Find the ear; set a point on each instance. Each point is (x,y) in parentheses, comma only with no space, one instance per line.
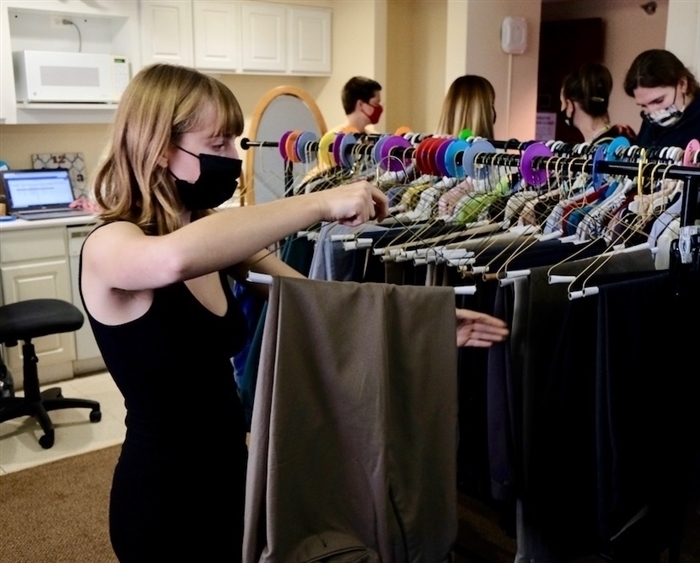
(163,160)
(683,82)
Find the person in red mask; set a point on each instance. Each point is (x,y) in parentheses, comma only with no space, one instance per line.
(362,103)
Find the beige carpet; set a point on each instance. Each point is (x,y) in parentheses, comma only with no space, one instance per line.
(58,512)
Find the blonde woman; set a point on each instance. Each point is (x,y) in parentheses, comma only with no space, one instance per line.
(155,291)
(468,104)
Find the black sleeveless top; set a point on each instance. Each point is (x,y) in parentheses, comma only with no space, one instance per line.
(183,460)
(177,350)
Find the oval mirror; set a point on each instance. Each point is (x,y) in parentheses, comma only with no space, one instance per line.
(282,109)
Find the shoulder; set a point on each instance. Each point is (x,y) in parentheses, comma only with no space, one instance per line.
(112,233)
(617,130)
(677,135)
(116,228)
(623,130)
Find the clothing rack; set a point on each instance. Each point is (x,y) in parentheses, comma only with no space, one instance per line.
(288,165)
(365,147)
(689,175)
(654,166)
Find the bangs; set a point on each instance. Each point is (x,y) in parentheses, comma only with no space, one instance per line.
(210,100)
(227,113)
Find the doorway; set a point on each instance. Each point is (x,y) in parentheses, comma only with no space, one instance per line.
(564,46)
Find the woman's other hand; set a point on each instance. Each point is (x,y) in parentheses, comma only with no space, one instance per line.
(479,329)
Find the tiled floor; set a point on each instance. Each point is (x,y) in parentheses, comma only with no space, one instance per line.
(74,433)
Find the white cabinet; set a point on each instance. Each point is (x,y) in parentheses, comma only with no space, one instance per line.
(166,32)
(216,35)
(286,39)
(230,36)
(98,26)
(264,34)
(211,35)
(8,97)
(33,265)
(202,34)
(309,41)
(87,354)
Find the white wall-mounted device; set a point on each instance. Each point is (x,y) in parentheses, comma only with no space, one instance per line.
(514,35)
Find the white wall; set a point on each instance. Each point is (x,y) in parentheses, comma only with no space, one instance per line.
(514,77)
(683,32)
(359,49)
(432,42)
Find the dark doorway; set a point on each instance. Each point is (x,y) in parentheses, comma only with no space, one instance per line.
(564,46)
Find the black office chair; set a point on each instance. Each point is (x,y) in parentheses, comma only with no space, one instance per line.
(31,319)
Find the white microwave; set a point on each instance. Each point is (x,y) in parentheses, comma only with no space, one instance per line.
(57,77)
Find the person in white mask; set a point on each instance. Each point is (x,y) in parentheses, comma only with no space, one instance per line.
(667,92)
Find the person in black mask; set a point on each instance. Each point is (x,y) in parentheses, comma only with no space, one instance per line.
(667,92)
(585,95)
(153,279)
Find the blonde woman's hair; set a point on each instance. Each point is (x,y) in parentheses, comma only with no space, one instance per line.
(160,104)
(469,104)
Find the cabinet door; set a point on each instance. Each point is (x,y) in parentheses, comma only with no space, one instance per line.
(309,41)
(7,85)
(166,32)
(34,265)
(49,278)
(216,35)
(263,32)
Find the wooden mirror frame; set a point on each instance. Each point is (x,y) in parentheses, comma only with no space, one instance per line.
(247,195)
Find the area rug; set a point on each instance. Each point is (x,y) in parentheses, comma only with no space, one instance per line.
(58,512)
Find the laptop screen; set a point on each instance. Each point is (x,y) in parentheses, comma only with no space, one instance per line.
(37,189)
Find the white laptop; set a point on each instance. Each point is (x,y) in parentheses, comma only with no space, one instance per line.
(39,194)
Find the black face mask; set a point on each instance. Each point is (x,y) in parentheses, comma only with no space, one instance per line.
(569,121)
(215,185)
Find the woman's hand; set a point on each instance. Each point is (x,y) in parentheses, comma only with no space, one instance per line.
(353,204)
(84,203)
(479,329)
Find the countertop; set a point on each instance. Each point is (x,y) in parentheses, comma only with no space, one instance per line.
(22,224)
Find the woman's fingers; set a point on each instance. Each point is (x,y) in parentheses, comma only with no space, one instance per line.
(355,203)
(479,329)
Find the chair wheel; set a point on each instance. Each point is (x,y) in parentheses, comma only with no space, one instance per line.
(46,441)
(95,416)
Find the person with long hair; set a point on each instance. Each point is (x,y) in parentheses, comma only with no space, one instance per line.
(153,279)
(468,104)
(667,92)
(585,96)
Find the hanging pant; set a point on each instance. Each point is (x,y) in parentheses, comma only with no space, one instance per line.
(353,440)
